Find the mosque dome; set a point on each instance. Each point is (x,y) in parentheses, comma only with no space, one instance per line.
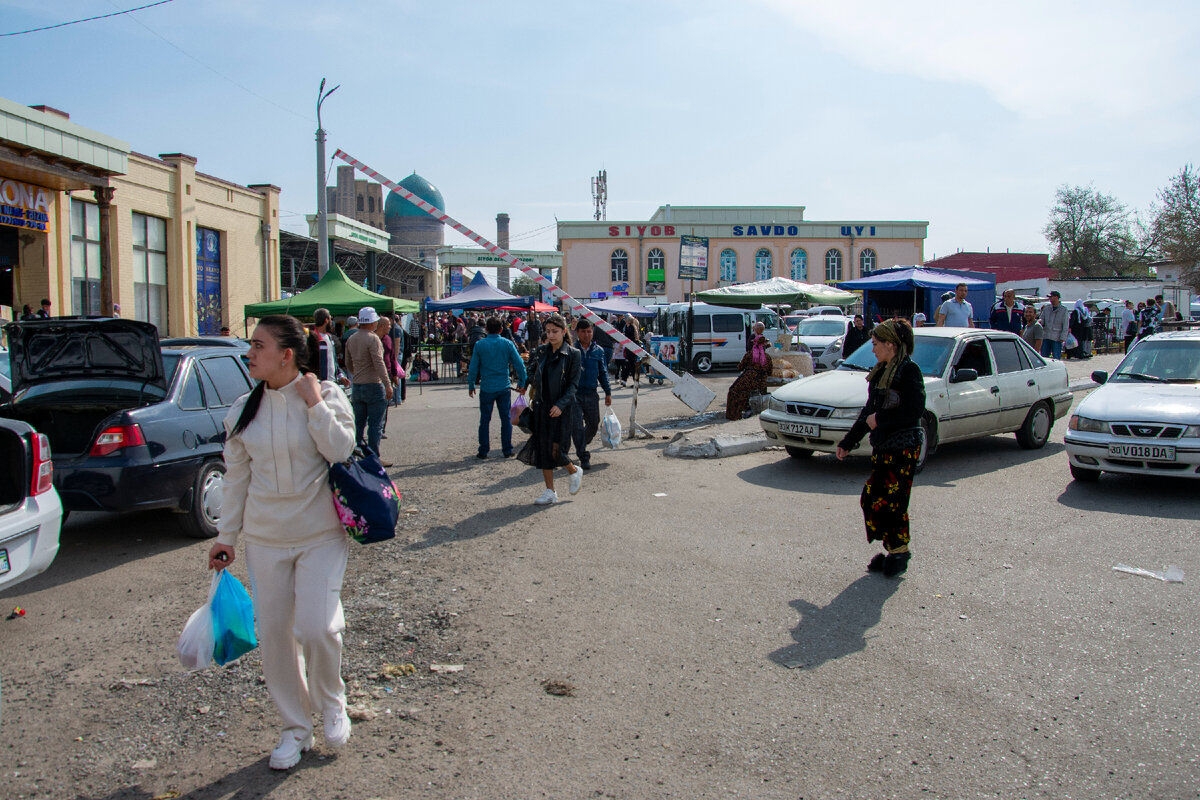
(397,206)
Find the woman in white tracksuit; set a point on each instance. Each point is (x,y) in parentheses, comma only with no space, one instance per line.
(280,439)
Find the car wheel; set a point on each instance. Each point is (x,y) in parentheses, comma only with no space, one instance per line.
(200,521)
(928,442)
(1084,475)
(702,364)
(1035,430)
(797,452)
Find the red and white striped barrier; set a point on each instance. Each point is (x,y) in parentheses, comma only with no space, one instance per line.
(685,387)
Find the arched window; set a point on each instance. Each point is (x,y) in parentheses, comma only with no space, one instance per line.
(656,259)
(619,261)
(371,204)
(762,264)
(833,264)
(866,261)
(799,265)
(728,265)
(359,204)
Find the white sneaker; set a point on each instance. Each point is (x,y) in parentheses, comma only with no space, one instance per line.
(287,753)
(548,498)
(576,480)
(337,727)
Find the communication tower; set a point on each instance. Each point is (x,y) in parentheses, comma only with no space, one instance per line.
(600,194)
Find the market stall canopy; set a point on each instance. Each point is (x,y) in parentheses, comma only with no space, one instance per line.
(777,291)
(621,305)
(335,292)
(478,294)
(914,278)
(538,306)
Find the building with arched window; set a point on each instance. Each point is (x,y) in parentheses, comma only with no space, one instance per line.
(745,243)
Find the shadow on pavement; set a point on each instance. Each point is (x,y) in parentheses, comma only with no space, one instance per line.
(957,460)
(819,474)
(481,524)
(1135,495)
(251,781)
(839,628)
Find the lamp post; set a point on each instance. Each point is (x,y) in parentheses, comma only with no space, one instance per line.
(322,212)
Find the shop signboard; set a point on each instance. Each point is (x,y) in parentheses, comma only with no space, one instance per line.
(693,257)
(456,280)
(208,281)
(24,205)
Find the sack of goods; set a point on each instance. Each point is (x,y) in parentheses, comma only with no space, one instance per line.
(610,430)
(222,629)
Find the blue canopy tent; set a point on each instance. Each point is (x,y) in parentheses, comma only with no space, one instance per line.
(906,290)
(478,294)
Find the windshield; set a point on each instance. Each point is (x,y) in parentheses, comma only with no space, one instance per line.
(821,327)
(931,355)
(1161,362)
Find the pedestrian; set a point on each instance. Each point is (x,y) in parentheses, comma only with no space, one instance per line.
(554,380)
(370,388)
(1128,324)
(593,372)
(533,331)
(117,311)
(351,329)
(756,368)
(322,353)
(44,311)
(1055,326)
(858,335)
(1079,323)
(919,319)
(280,439)
(1032,333)
(892,416)
(493,360)
(1008,315)
(956,312)
(1149,319)
(631,363)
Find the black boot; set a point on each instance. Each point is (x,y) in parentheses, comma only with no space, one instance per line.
(895,563)
(876,563)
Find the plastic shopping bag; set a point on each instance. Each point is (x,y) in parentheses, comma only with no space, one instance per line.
(518,405)
(233,620)
(195,645)
(1071,343)
(610,430)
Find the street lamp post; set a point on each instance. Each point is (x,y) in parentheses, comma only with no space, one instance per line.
(322,211)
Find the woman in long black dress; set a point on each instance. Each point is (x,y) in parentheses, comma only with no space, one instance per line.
(554,379)
(895,404)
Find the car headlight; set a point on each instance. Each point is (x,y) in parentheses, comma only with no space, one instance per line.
(1192,432)
(836,344)
(1087,425)
(774,404)
(845,413)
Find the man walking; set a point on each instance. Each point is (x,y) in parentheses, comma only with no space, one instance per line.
(593,369)
(1008,315)
(322,351)
(370,387)
(491,361)
(956,312)
(1128,324)
(858,335)
(1055,322)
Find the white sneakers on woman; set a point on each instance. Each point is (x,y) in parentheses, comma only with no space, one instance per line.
(287,753)
(548,498)
(576,481)
(337,727)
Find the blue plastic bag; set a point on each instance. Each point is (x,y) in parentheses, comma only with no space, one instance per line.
(233,620)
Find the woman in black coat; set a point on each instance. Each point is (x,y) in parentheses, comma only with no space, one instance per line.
(553,380)
(895,405)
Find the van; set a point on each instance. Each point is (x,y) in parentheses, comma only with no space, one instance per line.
(718,334)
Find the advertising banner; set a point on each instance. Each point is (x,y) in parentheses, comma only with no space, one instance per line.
(693,257)
(456,280)
(23,205)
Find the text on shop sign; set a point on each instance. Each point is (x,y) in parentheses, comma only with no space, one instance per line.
(23,205)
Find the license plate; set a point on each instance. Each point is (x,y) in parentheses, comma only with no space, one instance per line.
(1144,452)
(4,567)
(800,428)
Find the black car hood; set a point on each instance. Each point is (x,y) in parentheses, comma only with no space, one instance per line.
(53,350)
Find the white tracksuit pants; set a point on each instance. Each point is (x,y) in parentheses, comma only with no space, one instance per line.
(299,621)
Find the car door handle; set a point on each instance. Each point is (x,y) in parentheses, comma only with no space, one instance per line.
(1031,382)
(995,390)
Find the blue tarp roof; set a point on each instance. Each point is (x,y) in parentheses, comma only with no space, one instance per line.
(912,278)
(478,294)
(621,305)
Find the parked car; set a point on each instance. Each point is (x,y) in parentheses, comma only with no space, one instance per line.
(30,510)
(977,382)
(133,425)
(5,382)
(1145,417)
(824,336)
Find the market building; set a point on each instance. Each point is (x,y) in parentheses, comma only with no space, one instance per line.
(745,243)
(97,229)
(458,264)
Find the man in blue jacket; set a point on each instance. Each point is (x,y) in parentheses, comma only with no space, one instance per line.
(593,369)
(492,358)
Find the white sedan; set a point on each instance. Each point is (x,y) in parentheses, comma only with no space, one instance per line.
(1145,418)
(977,382)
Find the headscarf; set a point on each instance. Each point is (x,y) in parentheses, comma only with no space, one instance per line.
(760,352)
(897,332)
(1082,310)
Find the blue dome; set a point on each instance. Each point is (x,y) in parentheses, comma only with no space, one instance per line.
(397,206)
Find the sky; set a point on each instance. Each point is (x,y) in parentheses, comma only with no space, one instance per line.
(966,115)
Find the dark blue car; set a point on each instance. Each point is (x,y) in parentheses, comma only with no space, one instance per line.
(132,425)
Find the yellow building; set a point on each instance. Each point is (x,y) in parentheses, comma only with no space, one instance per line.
(97,229)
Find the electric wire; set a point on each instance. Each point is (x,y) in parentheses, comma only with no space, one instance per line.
(87,19)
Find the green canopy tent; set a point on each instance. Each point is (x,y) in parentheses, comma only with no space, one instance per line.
(335,292)
(776,292)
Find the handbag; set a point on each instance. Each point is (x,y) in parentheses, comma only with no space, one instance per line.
(366,500)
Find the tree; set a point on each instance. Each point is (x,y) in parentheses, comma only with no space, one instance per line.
(524,286)
(1177,224)
(1094,235)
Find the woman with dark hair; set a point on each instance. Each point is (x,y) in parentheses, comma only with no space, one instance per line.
(553,380)
(281,438)
(756,368)
(895,404)
(630,365)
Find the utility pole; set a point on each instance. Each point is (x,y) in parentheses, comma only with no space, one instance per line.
(322,212)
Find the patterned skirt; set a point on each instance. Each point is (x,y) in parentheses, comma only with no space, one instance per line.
(885,497)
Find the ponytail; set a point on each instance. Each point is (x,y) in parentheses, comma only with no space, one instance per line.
(288,333)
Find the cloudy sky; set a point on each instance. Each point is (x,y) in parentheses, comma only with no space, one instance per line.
(966,115)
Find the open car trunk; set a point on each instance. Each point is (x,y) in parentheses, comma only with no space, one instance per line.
(13,477)
(71,429)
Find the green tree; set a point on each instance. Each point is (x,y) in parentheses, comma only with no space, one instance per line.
(524,286)
(1092,234)
(1177,223)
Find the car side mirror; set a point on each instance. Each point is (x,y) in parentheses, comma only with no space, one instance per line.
(964,374)
(1100,376)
